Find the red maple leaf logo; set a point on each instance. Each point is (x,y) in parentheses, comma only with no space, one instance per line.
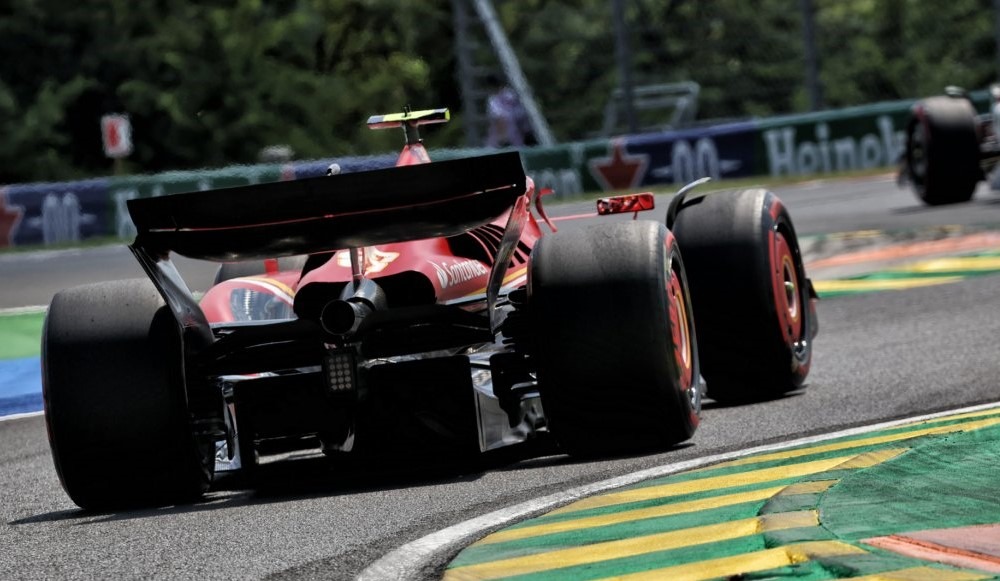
(10,219)
(621,170)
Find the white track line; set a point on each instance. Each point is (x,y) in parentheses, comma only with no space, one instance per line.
(23,310)
(20,416)
(410,560)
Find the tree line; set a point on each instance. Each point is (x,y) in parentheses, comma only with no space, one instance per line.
(211,83)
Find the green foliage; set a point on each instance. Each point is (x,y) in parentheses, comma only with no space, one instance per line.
(904,48)
(208,83)
(211,83)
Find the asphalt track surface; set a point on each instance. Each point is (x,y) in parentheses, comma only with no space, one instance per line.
(879,356)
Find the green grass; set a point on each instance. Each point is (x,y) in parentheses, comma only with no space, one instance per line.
(19,335)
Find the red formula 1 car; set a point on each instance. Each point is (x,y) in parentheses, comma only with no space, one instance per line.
(415,313)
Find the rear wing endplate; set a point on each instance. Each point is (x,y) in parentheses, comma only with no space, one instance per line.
(331,212)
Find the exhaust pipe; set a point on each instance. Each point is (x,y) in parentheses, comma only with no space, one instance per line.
(342,317)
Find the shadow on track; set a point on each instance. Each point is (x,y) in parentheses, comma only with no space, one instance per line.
(313,476)
(711,404)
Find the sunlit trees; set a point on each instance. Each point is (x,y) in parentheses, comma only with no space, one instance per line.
(211,83)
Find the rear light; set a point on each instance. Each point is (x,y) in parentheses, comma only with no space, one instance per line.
(341,371)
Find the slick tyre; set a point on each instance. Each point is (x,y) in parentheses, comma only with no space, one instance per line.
(615,349)
(231,270)
(942,151)
(115,401)
(752,301)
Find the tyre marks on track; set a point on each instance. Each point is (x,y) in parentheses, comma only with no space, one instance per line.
(757,516)
(923,273)
(883,264)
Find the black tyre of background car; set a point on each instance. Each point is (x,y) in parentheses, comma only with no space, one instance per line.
(750,294)
(115,401)
(942,151)
(614,345)
(231,270)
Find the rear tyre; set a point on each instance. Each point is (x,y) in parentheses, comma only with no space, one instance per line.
(231,270)
(752,301)
(115,400)
(615,348)
(942,151)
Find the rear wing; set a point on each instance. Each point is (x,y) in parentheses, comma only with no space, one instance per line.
(331,212)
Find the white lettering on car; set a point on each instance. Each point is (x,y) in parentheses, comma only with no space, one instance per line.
(458,272)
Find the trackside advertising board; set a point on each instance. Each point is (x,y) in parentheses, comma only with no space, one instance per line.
(805,145)
(813,144)
(66,212)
